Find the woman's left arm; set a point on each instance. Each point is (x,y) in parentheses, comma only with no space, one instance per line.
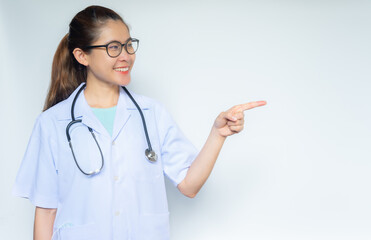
(226,124)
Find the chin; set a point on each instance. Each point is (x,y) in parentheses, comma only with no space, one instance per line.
(125,82)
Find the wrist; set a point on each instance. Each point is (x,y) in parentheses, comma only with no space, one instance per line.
(216,134)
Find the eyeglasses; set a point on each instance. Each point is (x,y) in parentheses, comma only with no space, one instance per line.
(114,48)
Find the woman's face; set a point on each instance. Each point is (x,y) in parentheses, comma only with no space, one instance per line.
(101,67)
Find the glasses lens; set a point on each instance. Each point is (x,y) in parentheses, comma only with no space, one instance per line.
(114,49)
(132,46)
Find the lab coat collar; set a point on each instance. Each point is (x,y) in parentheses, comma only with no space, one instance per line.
(123,111)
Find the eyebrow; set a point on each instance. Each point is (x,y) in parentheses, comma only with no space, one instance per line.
(115,40)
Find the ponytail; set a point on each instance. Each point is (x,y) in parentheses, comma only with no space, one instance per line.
(66,75)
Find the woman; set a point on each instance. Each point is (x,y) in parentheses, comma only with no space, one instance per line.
(85,168)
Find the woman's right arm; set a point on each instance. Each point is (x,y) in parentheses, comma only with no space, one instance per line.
(44,221)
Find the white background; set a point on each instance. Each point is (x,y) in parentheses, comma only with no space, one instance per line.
(299,170)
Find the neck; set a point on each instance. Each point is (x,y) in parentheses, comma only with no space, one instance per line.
(101,95)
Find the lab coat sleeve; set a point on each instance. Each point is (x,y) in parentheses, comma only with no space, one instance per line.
(37,175)
(177,152)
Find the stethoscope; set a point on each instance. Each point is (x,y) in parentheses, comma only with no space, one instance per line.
(150,154)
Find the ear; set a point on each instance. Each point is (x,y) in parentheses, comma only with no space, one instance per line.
(80,56)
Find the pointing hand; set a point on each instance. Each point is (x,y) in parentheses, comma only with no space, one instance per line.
(232,121)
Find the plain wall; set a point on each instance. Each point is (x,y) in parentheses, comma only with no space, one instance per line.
(301,167)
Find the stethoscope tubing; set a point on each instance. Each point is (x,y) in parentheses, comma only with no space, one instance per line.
(142,116)
(150,154)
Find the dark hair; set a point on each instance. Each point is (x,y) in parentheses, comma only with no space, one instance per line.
(67,74)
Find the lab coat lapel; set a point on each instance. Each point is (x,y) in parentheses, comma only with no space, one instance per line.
(124,109)
(122,113)
(84,111)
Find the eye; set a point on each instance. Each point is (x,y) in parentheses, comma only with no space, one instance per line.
(114,47)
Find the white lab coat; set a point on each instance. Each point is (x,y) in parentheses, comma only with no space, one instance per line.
(127,199)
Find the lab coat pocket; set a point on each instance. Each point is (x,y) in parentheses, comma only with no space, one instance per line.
(145,171)
(150,174)
(80,232)
(154,227)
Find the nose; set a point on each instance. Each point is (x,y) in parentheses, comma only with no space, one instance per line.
(124,56)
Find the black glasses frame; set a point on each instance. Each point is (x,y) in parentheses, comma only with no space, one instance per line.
(123,45)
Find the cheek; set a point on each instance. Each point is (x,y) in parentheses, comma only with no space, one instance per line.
(101,68)
(99,60)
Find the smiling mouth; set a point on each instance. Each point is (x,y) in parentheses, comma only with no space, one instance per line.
(123,69)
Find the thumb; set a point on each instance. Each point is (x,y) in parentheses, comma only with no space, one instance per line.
(230,117)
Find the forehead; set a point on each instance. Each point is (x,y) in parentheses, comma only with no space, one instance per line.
(113,30)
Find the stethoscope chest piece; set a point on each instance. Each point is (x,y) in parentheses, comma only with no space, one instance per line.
(151,155)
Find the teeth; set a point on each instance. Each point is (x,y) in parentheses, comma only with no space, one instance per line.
(122,69)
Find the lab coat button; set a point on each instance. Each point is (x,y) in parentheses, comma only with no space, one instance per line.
(117,213)
(116,178)
(113,143)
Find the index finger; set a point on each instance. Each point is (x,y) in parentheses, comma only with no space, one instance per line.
(250,105)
